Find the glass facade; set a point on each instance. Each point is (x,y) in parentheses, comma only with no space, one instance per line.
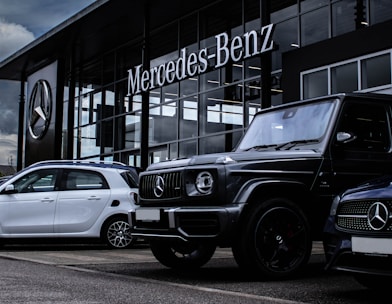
(207,112)
(370,73)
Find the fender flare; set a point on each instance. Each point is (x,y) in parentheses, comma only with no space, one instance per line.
(251,186)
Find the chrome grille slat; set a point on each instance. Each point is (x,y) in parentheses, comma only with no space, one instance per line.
(172,189)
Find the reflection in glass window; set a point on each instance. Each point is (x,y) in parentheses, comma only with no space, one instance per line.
(221,110)
(88,144)
(252,67)
(163,123)
(76,112)
(344,78)
(132,130)
(252,98)
(188,86)
(85,109)
(212,144)
(286,34)
(84,180)
(306,5)
(223,142)
(187,148)
(287,125)
(170,92)
(97,101)
(380,10)
(136,103)
(109,97)
(209,80)
(37,181)
(376,71)
(315,84)
(340,23)
(188,122)
(314,26)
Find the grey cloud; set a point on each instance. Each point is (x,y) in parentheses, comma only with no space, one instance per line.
(12,38)
(39,16)
(9,106)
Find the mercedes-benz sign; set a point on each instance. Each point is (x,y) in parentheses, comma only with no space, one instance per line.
(40,109)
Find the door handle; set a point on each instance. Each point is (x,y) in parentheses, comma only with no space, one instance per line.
(93,197)
(47,200)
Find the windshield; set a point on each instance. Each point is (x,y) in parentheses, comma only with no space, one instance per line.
(297,125)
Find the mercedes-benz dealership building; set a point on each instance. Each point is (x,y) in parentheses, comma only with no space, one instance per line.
(149,80)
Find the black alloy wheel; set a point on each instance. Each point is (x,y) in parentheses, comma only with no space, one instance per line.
(275,240)
(182,255)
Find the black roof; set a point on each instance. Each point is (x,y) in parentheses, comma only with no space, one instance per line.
(95,30)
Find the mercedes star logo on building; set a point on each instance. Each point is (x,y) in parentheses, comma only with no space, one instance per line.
(378,215)
(40,109)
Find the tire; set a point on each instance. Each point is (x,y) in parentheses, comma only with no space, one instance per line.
(116,233)
(375,282)
(274,241)
(182,255)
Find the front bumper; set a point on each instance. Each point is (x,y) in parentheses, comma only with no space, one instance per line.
(185,223)
(340,256)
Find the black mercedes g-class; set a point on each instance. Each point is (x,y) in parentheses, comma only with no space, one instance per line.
(269,199)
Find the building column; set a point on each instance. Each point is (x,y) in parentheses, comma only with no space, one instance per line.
(20,148)
(145,95)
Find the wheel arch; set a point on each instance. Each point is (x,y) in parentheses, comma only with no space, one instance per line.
(258,191)
(111,217)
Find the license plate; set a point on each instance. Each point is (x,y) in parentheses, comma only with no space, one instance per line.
(147,215)
(371,245)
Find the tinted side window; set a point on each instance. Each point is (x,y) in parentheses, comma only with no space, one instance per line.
(369,126)
(132,178)
(37,181)
(83,180)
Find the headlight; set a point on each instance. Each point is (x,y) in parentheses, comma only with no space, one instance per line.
(204,182)
(334,206)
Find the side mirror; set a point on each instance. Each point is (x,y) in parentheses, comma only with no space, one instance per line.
(345,137)
(9,189)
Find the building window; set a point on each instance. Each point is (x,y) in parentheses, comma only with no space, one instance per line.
(315,84)
(371,73)
(344,78)
(376,71)
(340,11)
(380,10)
(315,26)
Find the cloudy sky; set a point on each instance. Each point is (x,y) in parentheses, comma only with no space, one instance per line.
(22,21)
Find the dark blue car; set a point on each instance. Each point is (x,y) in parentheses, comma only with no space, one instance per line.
(358,233)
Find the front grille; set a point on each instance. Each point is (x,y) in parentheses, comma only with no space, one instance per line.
(172,185)
(353,216)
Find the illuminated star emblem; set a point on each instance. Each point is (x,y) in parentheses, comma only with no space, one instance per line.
(40,109)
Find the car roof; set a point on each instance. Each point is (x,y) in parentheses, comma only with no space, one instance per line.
(88,163)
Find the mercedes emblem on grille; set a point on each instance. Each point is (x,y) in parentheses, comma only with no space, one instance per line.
(377,216)
(159,186)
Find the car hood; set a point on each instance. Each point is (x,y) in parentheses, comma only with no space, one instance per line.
(374,189)
(234,157)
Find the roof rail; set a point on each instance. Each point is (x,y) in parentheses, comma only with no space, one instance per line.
(79,161)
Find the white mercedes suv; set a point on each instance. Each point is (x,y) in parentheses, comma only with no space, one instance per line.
(69,200)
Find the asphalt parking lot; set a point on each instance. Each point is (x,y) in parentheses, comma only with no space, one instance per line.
(81,254)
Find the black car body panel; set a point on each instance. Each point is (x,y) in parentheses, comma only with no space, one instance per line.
(358,233)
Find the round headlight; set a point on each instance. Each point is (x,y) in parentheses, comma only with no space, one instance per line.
(204,182)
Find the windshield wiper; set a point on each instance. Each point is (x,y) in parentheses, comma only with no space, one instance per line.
(293,143)
(260,147)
